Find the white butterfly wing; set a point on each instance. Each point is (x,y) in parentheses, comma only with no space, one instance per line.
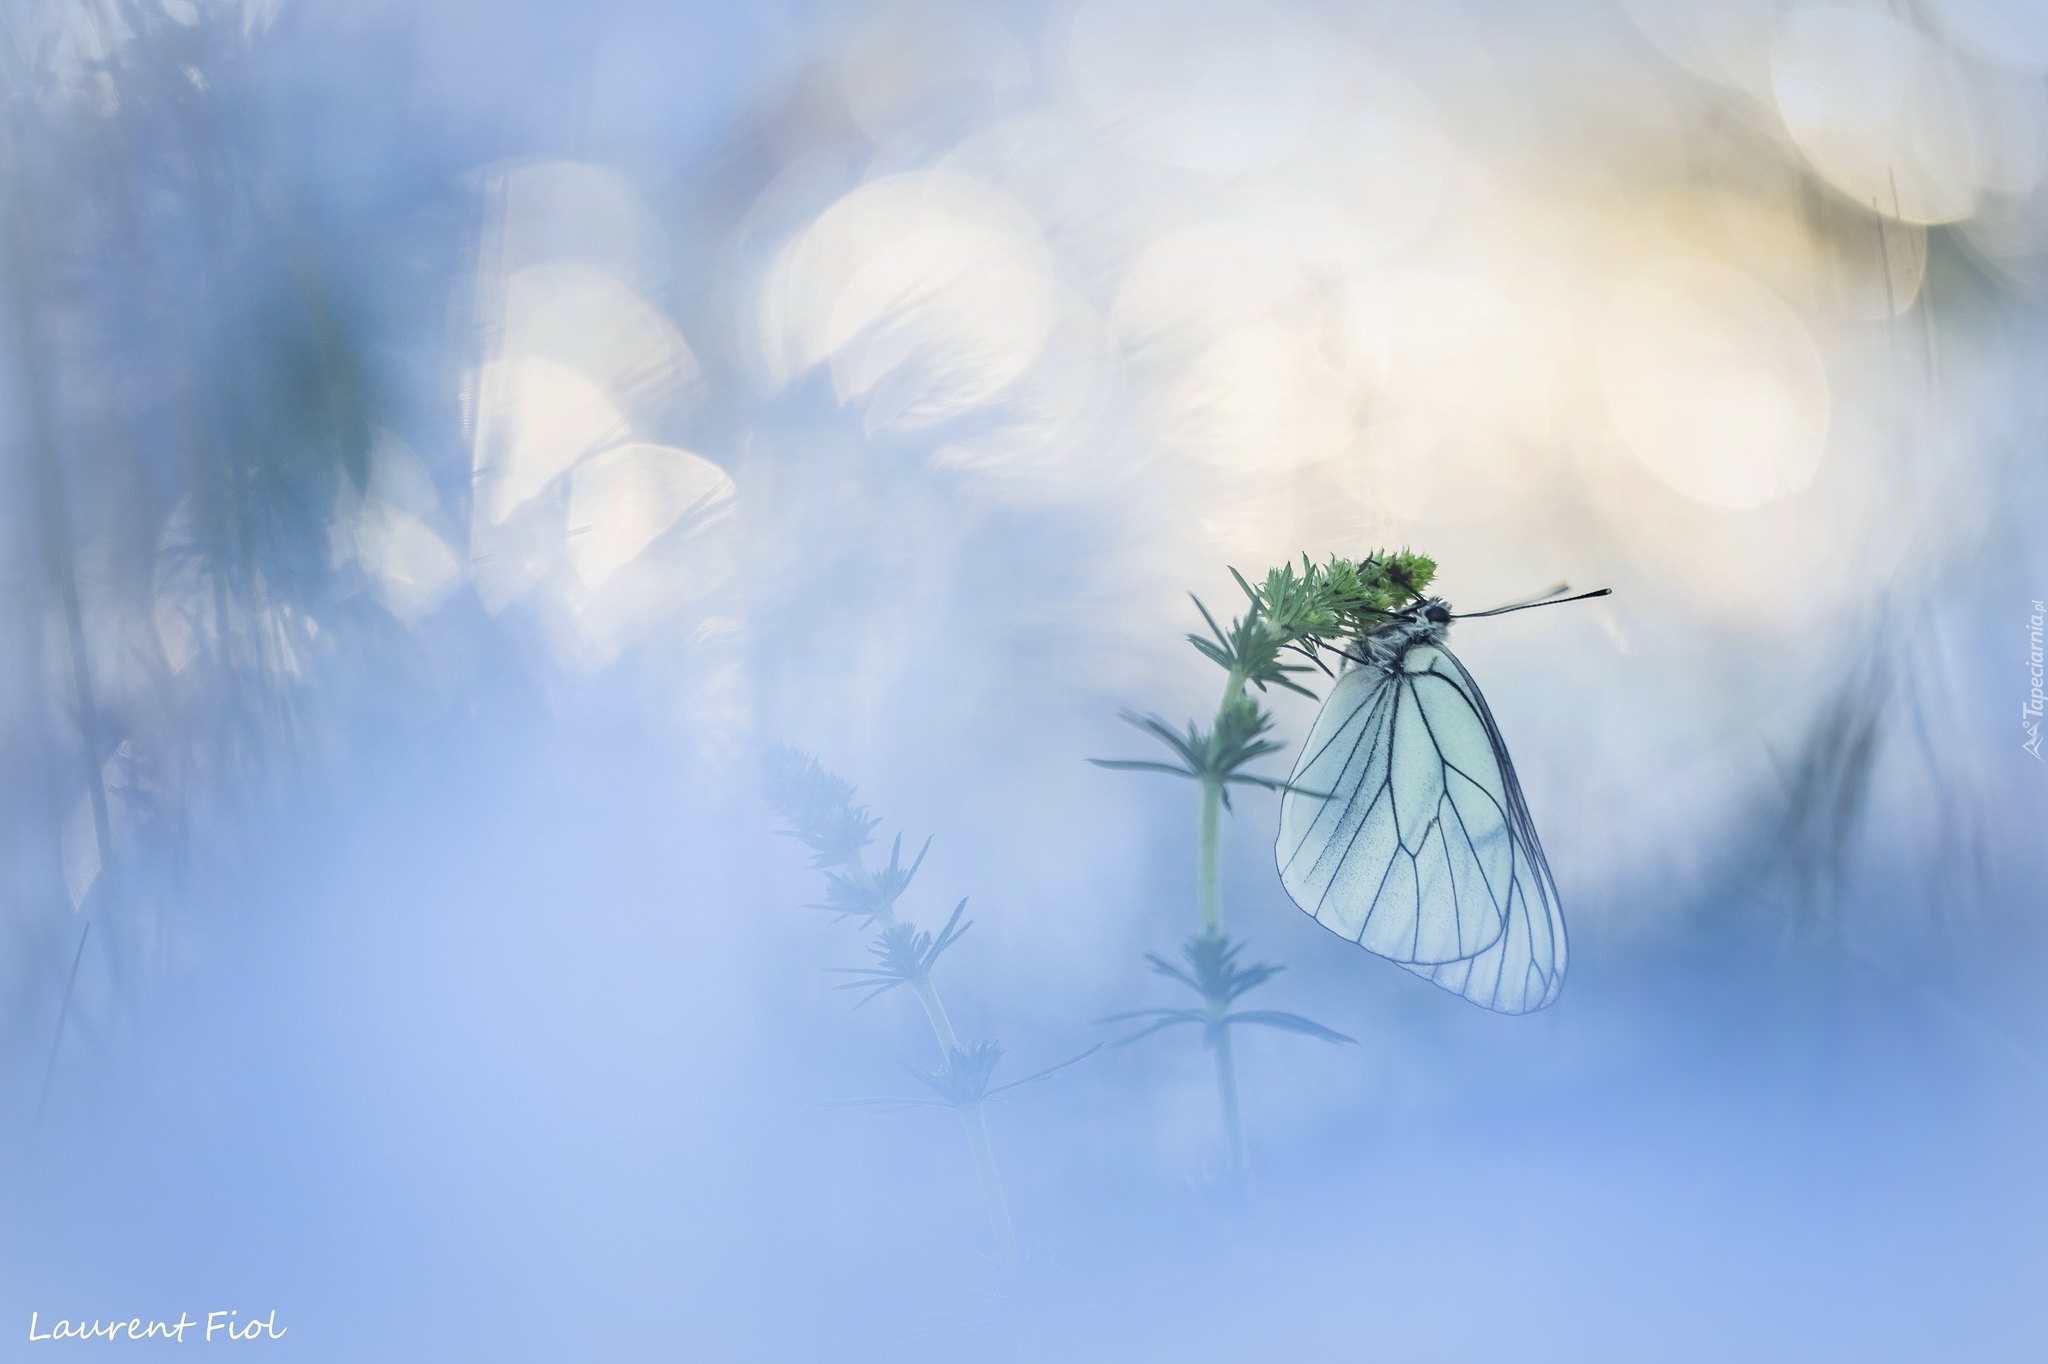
(1407,833)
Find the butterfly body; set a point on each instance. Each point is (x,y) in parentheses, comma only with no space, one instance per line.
(1404,829)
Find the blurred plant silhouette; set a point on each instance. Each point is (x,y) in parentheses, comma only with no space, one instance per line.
(188,409)
(818,809)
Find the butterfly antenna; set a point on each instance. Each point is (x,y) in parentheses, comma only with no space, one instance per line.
(1312,655)
(1549,598)
(1546,594)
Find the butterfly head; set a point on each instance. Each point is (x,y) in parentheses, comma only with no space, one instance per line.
(1426,622)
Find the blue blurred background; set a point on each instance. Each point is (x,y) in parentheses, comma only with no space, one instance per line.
(445,445)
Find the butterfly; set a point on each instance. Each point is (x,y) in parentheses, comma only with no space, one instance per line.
(1403,828)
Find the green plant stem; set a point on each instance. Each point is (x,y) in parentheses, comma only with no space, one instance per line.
(1209,902)
(1208,889)
(1226,1090)
(972,1117)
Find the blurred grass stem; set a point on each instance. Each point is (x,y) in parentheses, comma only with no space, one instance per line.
(28,270)
(63,1016)
(971,1116)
